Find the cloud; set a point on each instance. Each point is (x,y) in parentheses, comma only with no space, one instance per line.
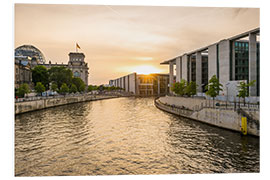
(115,36)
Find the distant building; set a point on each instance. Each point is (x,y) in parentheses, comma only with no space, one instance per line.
(30,52)
(76,64)
(143,85)
(22,70)
(231,59)
(35,57)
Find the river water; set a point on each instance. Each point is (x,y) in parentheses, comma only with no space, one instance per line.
(125,136)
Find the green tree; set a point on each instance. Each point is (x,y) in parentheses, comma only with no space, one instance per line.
(39,88)
(92,88)
(179,87)
(213,87)
(64,89)
(111,88)
(101,88)
(191,89)
(73,88)
(60,75)
(77,82)
(54,87)
(82,87)
(243,89)
(22,90)
(40,74)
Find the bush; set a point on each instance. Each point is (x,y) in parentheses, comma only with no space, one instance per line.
(39,88)
(64,89)
(73,88)
(22,90)
(82,87)
(91,88)
(179,87)
(54,87)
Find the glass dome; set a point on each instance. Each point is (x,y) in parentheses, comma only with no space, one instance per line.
(30,51)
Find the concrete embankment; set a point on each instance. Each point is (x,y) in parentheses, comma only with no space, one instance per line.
(27,106)
(202,110)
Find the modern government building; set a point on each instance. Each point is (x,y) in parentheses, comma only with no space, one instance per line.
(232,60)
(143,85)
(28,56)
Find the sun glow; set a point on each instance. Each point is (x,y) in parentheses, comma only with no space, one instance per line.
(146,69)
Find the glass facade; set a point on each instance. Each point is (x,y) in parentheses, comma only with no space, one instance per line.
(204,72)
(148,84)
(193,69)
(163,84)
(241,61)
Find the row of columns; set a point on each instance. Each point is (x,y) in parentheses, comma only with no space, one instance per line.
(218,64)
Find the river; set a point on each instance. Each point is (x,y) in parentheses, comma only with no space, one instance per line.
(125,136)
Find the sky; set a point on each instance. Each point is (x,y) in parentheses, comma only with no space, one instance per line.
(119,40)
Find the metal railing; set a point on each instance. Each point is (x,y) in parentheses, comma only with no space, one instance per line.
(35,98)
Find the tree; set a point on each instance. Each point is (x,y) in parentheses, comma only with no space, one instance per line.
(73,88)
(179,87)
(60,75)
(191,89)
(111,88)
(82,87)
(77,82)
(39,88)
(101,88)
(213,87)
(40,74)
(54,87)
(22,90)
(64,89)
(92,88)
(243,90)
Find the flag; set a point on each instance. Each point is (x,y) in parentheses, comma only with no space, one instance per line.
(77,46)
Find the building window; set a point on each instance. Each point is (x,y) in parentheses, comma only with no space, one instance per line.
(76,74)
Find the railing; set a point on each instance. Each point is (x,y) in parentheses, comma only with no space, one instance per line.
(35,98)
(183,111)
(223,105)
(217,104)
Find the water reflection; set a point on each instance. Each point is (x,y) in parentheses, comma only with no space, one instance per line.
(125,136)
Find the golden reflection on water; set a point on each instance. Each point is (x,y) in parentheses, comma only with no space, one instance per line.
(125,136)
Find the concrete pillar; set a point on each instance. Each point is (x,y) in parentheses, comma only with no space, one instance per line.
(252,63)
(171,75)
(199,71)
(212,61)
(178,69)
(184,67)
(224,62)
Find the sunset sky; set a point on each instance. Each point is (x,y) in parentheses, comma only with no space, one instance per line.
(118,40)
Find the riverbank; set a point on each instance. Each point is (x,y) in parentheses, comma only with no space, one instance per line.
(206,111)
(28,106)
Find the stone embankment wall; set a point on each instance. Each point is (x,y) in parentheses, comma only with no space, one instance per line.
(27,106)
(225,118)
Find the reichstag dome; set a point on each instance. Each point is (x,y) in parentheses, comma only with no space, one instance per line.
(30,51)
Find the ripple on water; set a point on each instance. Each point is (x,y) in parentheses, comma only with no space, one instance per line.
(125,136)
